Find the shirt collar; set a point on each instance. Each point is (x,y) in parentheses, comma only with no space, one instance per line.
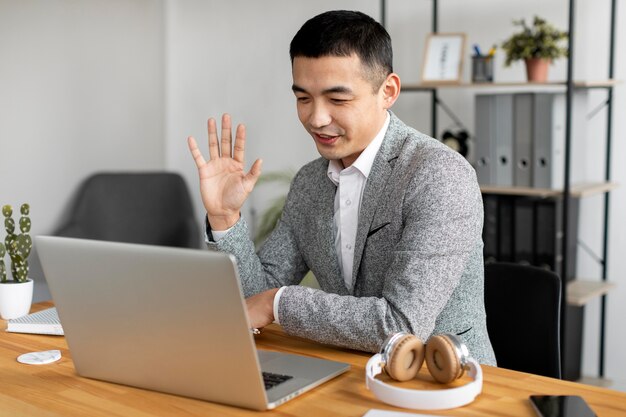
(365,161)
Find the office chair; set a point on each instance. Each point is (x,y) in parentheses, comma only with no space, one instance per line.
(149,208)
(523,317)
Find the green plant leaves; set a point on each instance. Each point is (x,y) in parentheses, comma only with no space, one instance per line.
(541,40)
(7,211)
(272,214)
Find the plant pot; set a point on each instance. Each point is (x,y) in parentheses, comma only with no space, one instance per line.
(15,298)
(537,69)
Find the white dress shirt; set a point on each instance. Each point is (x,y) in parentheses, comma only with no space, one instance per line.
(350,184)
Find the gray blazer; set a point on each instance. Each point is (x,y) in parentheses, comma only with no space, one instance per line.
(418,263)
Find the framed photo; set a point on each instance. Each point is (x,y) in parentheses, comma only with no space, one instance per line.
(443,58)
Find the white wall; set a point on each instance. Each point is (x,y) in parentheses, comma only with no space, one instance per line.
(81,90)
(97,85)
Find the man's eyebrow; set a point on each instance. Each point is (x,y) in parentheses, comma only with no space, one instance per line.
(340,89)
(336,90)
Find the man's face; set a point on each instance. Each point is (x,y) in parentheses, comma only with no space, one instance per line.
(337,105)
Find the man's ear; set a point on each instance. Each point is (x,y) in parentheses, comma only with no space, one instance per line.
(390,90)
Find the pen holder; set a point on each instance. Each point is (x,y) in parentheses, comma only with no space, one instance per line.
(482,69)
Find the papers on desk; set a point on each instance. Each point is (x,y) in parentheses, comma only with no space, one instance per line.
(43,322)
(385,413)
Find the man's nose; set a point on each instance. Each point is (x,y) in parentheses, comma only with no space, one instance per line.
(320,116)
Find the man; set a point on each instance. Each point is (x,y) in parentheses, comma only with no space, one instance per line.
(388,219)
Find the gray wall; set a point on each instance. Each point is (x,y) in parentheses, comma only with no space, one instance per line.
(81,90)
(119,85)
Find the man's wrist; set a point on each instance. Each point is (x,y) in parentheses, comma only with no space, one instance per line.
(221,223)
(211,235)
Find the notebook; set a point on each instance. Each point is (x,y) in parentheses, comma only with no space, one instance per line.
(42,322)
(167,319)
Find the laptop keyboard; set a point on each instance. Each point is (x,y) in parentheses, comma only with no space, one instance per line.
(271,380)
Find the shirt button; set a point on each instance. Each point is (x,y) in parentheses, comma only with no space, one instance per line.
(348,202)
(348,246)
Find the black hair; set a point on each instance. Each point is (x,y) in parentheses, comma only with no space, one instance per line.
(343,33)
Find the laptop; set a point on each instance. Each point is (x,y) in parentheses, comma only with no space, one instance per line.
(168,319)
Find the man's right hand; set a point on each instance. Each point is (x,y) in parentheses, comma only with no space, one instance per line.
(224,185)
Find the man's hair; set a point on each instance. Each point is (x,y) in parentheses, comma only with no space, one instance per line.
(343,33)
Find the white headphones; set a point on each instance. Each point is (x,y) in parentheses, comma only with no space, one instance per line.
(447,358)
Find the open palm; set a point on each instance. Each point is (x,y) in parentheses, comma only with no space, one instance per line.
(224,185)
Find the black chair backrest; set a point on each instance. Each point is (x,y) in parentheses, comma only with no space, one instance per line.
(523,317)
(149,208)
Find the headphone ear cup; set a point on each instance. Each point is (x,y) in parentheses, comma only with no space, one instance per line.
(406,359)
(442,359)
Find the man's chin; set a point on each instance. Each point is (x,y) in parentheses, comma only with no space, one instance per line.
(326,153)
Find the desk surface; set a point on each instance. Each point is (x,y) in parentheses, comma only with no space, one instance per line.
(56,390)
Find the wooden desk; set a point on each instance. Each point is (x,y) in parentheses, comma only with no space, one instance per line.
(56,390)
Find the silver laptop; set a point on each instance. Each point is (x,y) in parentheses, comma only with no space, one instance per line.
(170,320)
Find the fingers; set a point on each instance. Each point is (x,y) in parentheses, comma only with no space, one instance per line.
(226,135)
(226,141)
(253,175)
(240,144)
(195,152)
(214,150)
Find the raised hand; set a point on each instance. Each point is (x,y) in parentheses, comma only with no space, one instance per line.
(224,185)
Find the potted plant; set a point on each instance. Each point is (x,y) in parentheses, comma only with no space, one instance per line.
(271,214)
(16,295)
(537,45)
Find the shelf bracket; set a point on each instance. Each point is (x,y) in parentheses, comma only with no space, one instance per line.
(600,106)
(450,113)
(590,252)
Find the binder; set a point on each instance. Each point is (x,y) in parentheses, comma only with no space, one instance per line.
(523,242)
(490,228)
(503,133)
(547,234)
(522,138)
(494,138)
(542,140)
(572,233)
(548,147)
(557,149)
(505,228)
(485,167)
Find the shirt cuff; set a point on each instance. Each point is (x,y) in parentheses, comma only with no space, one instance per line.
(214,235)
(218,234)
(276,301)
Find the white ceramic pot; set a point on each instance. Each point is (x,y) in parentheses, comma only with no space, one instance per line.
(15,298)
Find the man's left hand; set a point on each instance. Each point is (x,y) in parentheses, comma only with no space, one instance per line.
(261,308)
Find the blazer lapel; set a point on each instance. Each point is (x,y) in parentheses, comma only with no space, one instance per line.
(374,188)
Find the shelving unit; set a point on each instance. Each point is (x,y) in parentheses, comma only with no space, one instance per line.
(577,292)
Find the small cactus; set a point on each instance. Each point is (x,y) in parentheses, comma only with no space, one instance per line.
(18,245)
(3,268)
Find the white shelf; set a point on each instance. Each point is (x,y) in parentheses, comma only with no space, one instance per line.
(580,292)
(577,190)
(527,86)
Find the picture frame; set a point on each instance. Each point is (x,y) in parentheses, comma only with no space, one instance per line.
(443,58)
